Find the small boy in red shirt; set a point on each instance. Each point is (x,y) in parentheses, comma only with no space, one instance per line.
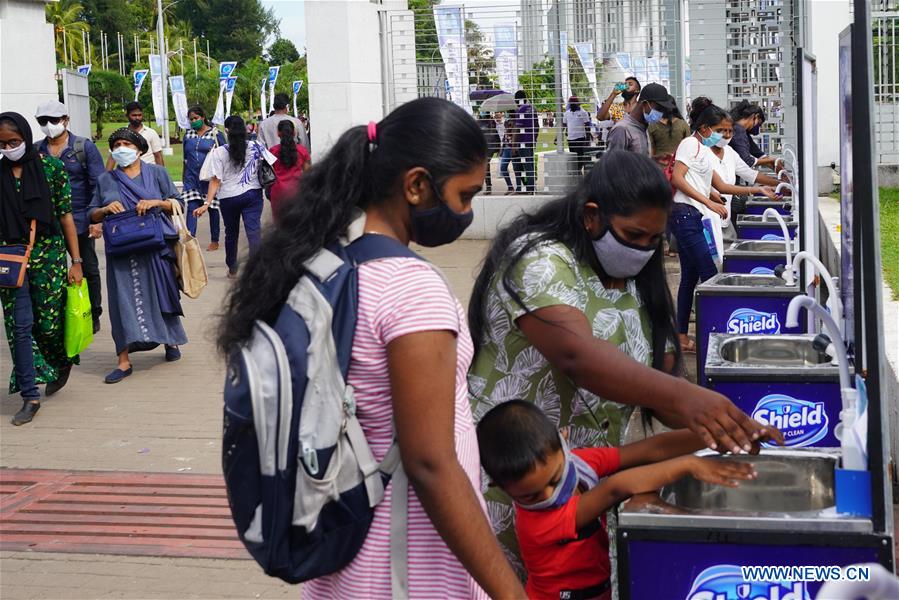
(562,495)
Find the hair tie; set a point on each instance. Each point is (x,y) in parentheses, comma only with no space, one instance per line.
(372,136)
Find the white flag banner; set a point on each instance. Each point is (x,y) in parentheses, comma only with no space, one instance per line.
(229,93)
(585,55)
(505,51)
(263,98)
(179,100)
(272,78)
(566,78)
(451,40)
(297,86)
(139,77)
(221,111)
(158,91)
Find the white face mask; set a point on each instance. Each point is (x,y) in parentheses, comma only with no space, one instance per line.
(620,259)
(14,154)
(53,130)
(724,142)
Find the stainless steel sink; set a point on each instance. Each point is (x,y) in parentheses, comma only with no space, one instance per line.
(739,280)
(772,247)
(787,482)
(776,350)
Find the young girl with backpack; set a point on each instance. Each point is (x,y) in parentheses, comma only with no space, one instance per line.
(410,178)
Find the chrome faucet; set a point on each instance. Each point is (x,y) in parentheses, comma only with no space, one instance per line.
(853,457)
(833,300)
(788,274)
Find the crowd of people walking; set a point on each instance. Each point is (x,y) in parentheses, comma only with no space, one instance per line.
(58,198)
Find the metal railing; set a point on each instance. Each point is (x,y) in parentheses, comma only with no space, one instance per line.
(885,51)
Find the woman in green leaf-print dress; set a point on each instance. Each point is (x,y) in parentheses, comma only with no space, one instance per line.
(572,312)
(36,187)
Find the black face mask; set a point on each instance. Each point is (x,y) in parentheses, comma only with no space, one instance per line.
(136,122)
(438,225)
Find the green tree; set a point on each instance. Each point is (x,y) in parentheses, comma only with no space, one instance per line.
(540,84)
(236,29)
(107,89)
(282,52)
(481,60)
(68,27)
(425,30)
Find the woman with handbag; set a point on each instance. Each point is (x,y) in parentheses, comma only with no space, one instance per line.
(133,203)
(198,141)
(238,177)
(36,226)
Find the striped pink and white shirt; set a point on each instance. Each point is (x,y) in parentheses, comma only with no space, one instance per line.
(397,297)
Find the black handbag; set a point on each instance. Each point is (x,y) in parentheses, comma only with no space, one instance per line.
(266,174)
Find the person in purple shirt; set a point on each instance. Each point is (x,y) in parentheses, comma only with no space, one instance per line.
(526,128)
(83,164)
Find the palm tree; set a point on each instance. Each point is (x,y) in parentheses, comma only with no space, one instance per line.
(68,29)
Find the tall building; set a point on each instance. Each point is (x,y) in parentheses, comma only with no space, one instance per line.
(737,52)
(534,33)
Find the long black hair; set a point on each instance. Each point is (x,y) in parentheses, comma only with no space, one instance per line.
(237,140)
(703,112)
(622,183)
(288,154)
(355,174)
(745,109)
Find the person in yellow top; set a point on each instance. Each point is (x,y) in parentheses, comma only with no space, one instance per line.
(616,111)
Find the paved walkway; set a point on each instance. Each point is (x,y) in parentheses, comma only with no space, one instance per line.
(165,418)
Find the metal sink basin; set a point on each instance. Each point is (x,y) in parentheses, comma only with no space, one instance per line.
(776,350)
(740,280)
(770,247)
(787,482)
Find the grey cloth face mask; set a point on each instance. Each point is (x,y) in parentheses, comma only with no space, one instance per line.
(619,258)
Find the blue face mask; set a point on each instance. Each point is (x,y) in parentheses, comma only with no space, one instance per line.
(124,156)
(564,490)
(713,139)
(654,116)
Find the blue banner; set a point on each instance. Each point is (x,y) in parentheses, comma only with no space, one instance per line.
(139,77)
(84,69)
(226,69)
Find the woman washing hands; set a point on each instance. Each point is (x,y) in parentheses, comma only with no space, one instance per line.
(699,189)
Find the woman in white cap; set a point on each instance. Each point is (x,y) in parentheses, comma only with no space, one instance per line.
(83,164)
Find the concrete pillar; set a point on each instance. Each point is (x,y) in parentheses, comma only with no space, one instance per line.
(827,18)
(344,46)
(27,58)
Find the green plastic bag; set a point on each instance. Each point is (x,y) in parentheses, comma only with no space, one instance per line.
(79,330)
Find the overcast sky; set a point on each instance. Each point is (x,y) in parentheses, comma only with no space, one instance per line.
(293,20)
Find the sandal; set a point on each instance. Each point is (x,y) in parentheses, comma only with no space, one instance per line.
(689,347)
(29,409)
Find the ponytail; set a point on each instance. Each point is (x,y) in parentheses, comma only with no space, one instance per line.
(237,140)
(288,153)
(358,172)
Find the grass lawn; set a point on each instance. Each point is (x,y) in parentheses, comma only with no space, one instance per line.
(889,235)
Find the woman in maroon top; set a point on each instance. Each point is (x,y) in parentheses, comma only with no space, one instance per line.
(293,159)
